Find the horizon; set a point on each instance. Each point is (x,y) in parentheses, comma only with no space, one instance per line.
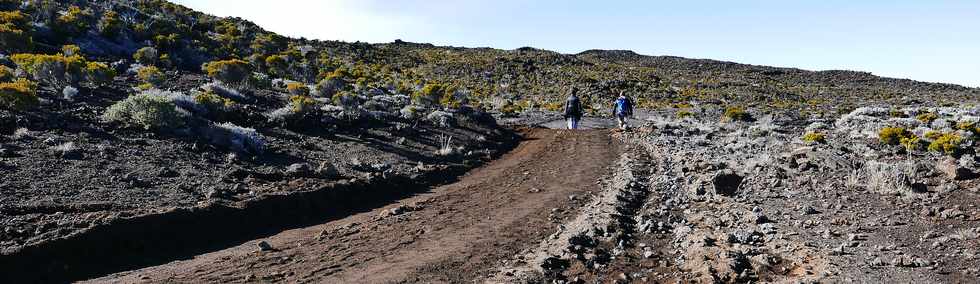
(927,42)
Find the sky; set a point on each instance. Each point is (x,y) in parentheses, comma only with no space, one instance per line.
(933,41)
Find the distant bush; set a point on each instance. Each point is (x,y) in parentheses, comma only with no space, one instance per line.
(99,73)
(429,95)
(815,137)
(15,32)
(734,113)
(927,118)
(146,55)
(6,74)
(893,135)
(896,113)
(72,22)
(109,25)
(297,89)
(237,138)
(18,95)
(948,143)
(212,101)
(682,114)
(301,104)
(57,70)
(146,110)
(228,71)
(277,64)
(151,75)
(330,86)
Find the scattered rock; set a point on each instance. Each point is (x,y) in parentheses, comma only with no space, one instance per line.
(265,246)
(299,170)
(952,169)
(726,182)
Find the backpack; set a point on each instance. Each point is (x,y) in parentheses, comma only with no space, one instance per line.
(622,106)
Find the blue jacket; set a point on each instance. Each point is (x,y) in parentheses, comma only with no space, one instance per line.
(623,107)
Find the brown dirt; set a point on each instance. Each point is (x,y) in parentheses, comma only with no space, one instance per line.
(455,233)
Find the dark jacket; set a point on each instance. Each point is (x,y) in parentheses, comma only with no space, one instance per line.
(627,108)
(573,107)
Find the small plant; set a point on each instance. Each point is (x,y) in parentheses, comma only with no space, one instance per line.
(212,101)
(911,143)
(948,143)
(301,104)
(151,75)
(893,135)
(56,70)
(147,55)
(18,95)
(73,22)
(15,31)
(297,89)
(683,113)
(429,95)
(969,126)
(933,135)
(814,137)
(446,146)
(228,71)
(927,118)
(897,113)
(99,73)
(734,113)
(110,25)
(6,74)
(147,111)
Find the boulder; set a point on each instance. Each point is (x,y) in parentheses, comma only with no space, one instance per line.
(726,182)
(299,170)
(952,169)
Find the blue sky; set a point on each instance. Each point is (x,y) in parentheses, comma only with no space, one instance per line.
(935,41)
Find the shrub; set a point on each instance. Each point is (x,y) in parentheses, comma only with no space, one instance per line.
(6,74)
(146,55)
(73,22)
(430,94)
(277,64)
(147,111)
(212,101)
(301,104)
(734,113)
(933,135)
(297,89)
(18,95)
(814,137)
(109,25)
(15,32)
(682,114)
(911,143)
(897,113)
(228,71)
(948,143)
(99,73)
(165,42)
(71,50)
(968,126)
(151,75)
(58,70)
(893,135)
(345,99)
(330,86)
(237,138)
(927,118)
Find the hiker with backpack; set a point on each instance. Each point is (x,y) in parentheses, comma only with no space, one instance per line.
(573,109)
(623,109)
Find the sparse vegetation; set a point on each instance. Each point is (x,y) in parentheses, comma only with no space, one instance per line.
(927,118)
(893,135)
(18,95)
(152,76)
(228,71)
(735,113)
(147,111)
(814,137)
(947,143)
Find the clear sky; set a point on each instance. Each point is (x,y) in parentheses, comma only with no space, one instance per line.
(934,41)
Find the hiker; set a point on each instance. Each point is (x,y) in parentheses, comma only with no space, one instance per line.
(573,109)
(623,109)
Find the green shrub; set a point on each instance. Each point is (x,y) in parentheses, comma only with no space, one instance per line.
(18,95)
(15,32)
(734,113)
(968,126)
(297,89)
(911,143)
(71,50)
(212,101)
(896,113)
(948,143)
(430,94)
(57,70)
(277,64)
(933,135)
(228,71)
(165,42)
(815,137)
(99,73)
(109,25)
(893,135)
(683,113)
(301,104)
(146,55)
(6,74)
(73,22)
(927,118)
(330,85)
(152,75)
(147,111)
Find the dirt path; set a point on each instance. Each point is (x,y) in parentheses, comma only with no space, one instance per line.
(455,233)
